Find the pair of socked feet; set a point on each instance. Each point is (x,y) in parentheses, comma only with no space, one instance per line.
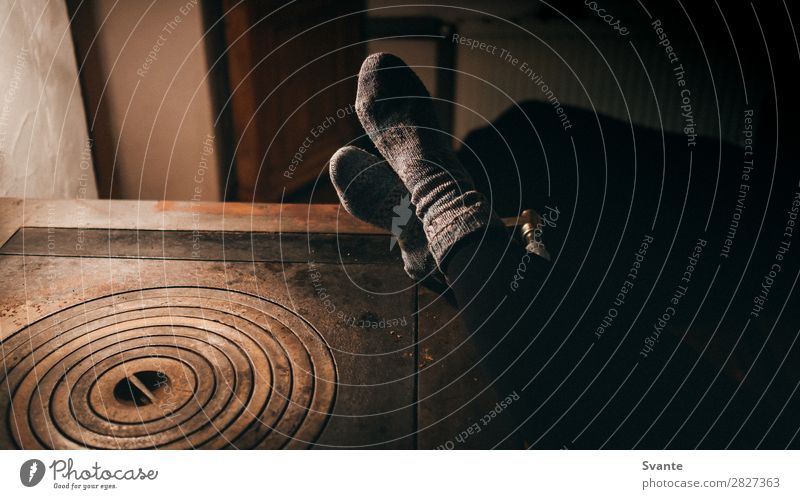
(396,111)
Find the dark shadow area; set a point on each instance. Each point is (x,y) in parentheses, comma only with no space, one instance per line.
(614,186)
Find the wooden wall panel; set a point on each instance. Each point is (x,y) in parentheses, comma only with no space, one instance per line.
(292,79)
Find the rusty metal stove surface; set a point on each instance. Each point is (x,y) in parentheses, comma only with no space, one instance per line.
(165,325)
(189,339)
(168,367)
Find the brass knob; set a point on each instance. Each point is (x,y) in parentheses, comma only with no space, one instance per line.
(530,230)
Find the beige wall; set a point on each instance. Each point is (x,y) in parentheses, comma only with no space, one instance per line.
(44,148)
(160,103)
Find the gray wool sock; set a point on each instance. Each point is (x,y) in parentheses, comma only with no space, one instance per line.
(396,111)
(370,190)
